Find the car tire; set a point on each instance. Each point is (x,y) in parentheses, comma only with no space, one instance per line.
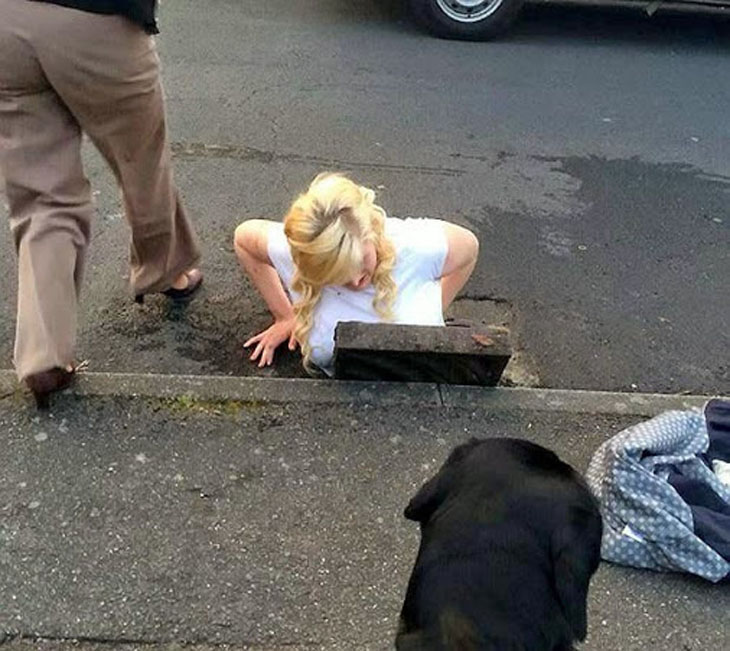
(468,20)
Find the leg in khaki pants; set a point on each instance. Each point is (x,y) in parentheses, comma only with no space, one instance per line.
(64,71)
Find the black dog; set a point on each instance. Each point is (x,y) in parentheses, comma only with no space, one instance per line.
(510,537)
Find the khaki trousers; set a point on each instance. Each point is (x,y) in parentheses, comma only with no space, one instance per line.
(64,71)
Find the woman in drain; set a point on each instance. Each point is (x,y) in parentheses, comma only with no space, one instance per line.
(338,257)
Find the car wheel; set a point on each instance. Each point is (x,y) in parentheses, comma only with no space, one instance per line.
(473,20)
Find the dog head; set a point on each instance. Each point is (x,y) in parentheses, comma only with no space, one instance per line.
(525,491)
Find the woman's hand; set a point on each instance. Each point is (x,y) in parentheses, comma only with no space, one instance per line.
(270,339)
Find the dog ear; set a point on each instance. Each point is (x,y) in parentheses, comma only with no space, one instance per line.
(434,491)
(576,552)
(426,500)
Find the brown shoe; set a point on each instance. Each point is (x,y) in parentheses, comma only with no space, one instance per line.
(43,384)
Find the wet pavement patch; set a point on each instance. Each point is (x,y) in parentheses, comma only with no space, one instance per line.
(627,290)
(611,274)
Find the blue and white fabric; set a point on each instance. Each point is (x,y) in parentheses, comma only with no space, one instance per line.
(646,522)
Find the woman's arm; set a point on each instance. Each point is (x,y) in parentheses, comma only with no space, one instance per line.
(461,258)
(251,245)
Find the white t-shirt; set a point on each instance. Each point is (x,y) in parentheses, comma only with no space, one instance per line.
(420,249)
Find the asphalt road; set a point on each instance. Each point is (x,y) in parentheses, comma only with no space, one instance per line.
(270,527)
(588,150)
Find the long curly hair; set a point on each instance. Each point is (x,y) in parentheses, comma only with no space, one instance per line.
(326,228)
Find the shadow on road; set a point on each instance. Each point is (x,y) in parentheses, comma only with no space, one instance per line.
(612,26)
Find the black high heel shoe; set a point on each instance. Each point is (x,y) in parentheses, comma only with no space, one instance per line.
(43,384)
(195,280)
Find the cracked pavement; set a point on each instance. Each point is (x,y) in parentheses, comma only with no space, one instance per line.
(162,522)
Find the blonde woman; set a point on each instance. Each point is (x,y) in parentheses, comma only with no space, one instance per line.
(338,257)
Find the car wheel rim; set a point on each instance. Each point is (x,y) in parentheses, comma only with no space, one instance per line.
(468,11)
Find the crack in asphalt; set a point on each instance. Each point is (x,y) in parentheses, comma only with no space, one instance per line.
(195,150)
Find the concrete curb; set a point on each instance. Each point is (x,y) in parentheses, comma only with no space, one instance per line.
(282,390)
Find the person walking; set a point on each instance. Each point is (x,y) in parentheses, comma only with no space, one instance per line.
(67,67)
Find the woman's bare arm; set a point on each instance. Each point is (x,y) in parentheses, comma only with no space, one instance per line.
(251,245)
(461,258)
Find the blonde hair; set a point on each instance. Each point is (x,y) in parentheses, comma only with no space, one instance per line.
(326,228)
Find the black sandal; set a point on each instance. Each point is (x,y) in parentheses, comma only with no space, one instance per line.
(43,384)
(195,280)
